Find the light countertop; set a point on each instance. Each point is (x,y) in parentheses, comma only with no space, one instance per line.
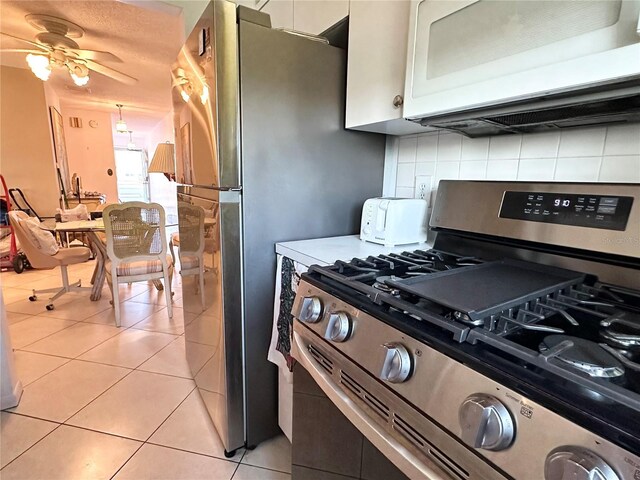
(325,251)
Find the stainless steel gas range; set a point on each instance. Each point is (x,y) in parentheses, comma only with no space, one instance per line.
(509,350)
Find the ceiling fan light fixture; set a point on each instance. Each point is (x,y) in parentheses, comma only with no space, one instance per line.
(131,145)
(39,65)
(121,125)
(79,81)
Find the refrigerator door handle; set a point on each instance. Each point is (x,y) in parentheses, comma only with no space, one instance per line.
(220,189)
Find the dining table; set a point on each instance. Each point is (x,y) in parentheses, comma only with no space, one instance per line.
(92,229)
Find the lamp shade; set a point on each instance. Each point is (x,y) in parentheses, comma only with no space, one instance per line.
(163,159)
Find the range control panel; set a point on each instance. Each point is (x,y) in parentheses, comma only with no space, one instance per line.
(593,211)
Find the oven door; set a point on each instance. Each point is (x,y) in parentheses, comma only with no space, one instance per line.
(466,54)
(417,446)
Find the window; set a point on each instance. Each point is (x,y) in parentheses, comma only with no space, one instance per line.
(131,175)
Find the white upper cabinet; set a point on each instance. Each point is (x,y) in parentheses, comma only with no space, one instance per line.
(378,33)
(315,16)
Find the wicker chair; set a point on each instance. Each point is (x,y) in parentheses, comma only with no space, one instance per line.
(192,243)
(137,248)
(40,260)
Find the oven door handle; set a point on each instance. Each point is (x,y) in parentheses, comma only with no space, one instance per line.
(405,460)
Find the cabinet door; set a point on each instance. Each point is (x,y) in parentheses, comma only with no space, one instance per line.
(281,12)
(378,31)
(315,16)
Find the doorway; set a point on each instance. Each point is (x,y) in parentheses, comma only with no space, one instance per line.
(131,175)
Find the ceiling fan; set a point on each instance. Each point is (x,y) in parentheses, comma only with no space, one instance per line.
(54,48)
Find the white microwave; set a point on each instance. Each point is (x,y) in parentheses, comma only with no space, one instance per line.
(470,54)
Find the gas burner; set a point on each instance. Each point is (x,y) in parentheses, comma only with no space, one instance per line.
(622,331)
(584,355)
(464,318)
(381,285)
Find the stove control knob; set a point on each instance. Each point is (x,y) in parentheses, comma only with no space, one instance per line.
(486,422)
(397,365)
(339,327)
(577,463)
(310,310)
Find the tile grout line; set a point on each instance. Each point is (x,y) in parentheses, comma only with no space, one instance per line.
(84,351)
(47,336)
(172,412)
(17,457)
(126,461)
(131,371)
(95,398)
(195,453)
(25,385)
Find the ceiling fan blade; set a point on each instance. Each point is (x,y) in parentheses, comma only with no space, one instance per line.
(40,46)
(94,55)
(110,72)
(21,50)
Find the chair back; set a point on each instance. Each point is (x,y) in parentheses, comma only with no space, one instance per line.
(191,229)
(37,259)
(135,231)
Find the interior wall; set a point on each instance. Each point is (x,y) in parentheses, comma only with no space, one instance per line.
(598,154)
(90,151)
(26,152)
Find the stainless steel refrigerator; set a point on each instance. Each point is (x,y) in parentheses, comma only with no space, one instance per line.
(263,157)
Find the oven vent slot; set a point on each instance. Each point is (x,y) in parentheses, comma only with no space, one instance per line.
(376,405)
(418,440)
(323,361)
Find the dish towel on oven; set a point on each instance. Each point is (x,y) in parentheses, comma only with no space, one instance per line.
(287,278)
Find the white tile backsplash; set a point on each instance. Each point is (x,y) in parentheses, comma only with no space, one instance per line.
(404,192)
(406,174)
(531,169)
(447,171)
(407,149)
(540,145)
(426,168)
(449,148)
(604,154)
(623,140)
(624,169)
(473,170)
(583,142)
(578,169)
(475,148)
(504,147)
(502,170)
(427,148)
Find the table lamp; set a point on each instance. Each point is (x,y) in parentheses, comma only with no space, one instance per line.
(163,161)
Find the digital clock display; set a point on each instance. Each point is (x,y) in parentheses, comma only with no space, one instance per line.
(593,211)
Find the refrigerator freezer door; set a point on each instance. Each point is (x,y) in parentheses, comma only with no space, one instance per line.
(205,100)
(209,254)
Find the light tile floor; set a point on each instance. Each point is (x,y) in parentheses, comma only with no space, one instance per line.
(102,402)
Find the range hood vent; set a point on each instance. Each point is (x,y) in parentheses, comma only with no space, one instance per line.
(540,116)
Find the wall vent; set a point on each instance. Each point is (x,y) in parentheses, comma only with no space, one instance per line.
(75,122)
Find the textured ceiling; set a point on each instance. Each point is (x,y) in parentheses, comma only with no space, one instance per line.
(147,40)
